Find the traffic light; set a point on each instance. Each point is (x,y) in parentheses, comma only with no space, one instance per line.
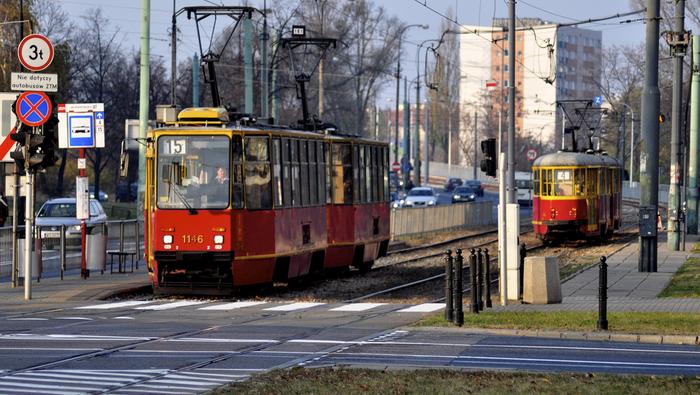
(50,143)
(24,136)
(488,164)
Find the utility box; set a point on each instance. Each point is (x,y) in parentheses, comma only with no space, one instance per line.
(36,260)
(513,248)
(541,281)
(647,221)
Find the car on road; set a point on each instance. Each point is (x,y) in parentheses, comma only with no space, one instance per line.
(103,196)
(463,194)
(61,211)
(396,201)
(452,183)
(476,186)
(420,197)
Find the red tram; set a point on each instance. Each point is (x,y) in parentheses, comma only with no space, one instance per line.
(576,194)
(230,206)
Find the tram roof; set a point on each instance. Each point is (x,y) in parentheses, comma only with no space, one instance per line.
(264,129)
(563,158)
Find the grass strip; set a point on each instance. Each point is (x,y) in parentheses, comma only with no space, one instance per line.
(685,283)
(624,322)
(334,381)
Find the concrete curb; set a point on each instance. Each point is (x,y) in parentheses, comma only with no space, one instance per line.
(103,294)
(569,335)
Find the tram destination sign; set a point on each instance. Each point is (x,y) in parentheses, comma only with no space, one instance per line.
(41,82)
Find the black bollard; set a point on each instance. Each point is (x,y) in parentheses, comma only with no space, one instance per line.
(449,307)
(523,254)
(603,295)
(487,275)
(458,315)
(474,305)
(479,279)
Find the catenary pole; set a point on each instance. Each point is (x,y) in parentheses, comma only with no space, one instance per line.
(694,131)
(476,136)
(674,201)
(264,74)
(16,198)
(406,160)
(248,62)
(510,183)
(173,57)
(649,152)
(144,87)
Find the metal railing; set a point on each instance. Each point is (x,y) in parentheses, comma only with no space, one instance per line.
(61,249)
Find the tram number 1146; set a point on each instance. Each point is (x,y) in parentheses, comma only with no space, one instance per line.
(192,239)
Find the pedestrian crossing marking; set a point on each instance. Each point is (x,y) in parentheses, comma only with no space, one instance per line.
(172,305)
(423,308)
(356,307)
(294,306)
(116,305)
(231,306)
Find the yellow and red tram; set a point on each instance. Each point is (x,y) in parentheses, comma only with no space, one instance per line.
(229,205)
(576,194)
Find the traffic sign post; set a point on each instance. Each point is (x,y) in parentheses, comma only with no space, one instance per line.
(396,166)
(81,125)
(35,52)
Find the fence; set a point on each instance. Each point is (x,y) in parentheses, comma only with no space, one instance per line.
(64,258)
(415,221)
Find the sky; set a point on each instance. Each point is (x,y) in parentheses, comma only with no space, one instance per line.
(124,15)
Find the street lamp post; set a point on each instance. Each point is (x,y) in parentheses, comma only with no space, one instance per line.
(398,87)
(417,156)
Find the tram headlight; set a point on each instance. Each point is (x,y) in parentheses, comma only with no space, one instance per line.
(218,239)
(168,239)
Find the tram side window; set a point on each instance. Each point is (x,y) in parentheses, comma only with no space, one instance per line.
(536,182)
(368,174)
(237,172)
(313,189)
(376,174)
(258,180)
(592,181)
(360,186)
(563,183)
(286,174)
(356,173)
(277,171)
(294,158)
(321,173)
(342,174)
(580,182)
(329,172)
(547,182)
(304,177)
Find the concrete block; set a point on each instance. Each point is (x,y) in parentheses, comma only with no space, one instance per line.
(624,337)
(654,339)
(541,280)
(679,339)
(598,336)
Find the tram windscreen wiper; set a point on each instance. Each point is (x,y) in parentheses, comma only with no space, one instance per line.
(184,201)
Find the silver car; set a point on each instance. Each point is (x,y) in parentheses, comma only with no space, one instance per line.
(420,197)
(57,212)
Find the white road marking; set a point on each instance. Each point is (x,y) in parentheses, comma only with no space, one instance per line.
(219,340)
(74,318)
(123,318)
(358,307)
(61,337)
(294,306)
(115,305)
(77,380)
(8,387)
(423,308)
(173,305)
(150,391)
(28,319)
(32,391)
(84,378)
(231,306)
(49,349)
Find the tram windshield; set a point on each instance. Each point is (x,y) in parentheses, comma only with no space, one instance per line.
(193,172)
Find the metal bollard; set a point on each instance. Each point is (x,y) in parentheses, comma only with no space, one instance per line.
(479,279)
(458,315)
(449,306)
(62,251)
(602,324)
(487,274)
(474,305)
(121,236)
(523,254)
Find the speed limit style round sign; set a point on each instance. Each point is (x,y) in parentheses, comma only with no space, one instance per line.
(35,52)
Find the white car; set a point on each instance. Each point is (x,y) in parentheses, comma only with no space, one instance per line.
(420,197)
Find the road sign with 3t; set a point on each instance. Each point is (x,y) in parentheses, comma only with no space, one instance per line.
(35,52)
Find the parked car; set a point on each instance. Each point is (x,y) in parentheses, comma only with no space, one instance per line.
(396,201)
(61,211)
(452,183)
(476,186)
(463,194)
(420,197)
(103,196)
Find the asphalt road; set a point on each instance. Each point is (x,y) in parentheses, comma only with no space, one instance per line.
(193,346)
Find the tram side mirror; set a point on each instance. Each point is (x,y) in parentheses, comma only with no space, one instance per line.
(123,161)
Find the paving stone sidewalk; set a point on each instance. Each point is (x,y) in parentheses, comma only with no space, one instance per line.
(628,289)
